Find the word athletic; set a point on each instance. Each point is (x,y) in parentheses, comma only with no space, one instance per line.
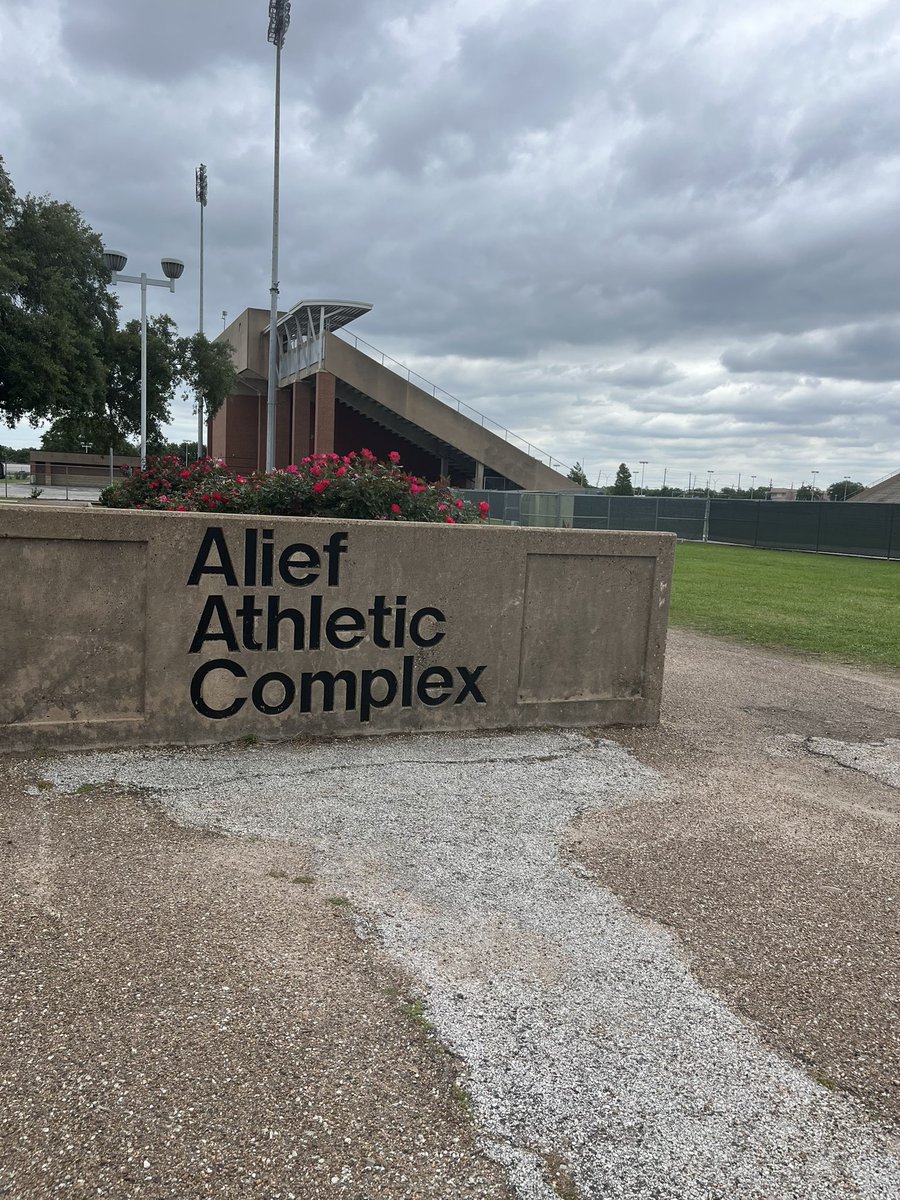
(387,625)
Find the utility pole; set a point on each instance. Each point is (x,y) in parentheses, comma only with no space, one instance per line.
(279,20)
(200,192)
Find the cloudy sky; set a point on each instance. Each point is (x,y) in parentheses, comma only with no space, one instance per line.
(659,229)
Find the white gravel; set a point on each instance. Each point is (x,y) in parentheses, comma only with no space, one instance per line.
(582,1029)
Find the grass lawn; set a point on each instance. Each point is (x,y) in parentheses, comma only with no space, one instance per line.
(845,608)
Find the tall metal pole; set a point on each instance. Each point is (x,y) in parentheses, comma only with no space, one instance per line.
(143,370)
(272,385)
(201,193)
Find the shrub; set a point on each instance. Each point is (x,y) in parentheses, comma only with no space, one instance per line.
(346,487)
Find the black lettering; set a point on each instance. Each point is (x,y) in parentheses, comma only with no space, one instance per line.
(214,536)
(250,558)
(216,664)
(367,701)
(259,688)
(275,615)
(268,556)
(314,639)
(416,620)
(379,610)
(335,546)
(469,688)
(406,687)
(214,606)
(327,680)
(399,615)
(248,615)
(434,677)
(290,561)
(336,626)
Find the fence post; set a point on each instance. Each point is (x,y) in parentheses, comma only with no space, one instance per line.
(706,521)
(656,517)
(819,527)
(110,466)
(890,536)
(756,528)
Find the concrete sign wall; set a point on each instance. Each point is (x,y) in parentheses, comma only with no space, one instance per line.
(127,628)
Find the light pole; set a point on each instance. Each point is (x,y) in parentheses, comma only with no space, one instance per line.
(709,475)
(643,462)
(172,269)
(813,492)
(224,317)
(846,481)
(753,488)
(279,20)
(200,191)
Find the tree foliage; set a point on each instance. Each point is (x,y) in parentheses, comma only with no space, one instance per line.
(623,485)
(577,475)
(808,492)
(56,310)
(62,357)
(843,489)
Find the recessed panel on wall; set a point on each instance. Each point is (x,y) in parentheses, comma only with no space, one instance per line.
(72,630)
(584,634)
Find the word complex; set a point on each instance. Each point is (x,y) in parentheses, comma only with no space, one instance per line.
(252,614)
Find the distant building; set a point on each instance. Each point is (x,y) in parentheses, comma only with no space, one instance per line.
(334,396)
(782,493)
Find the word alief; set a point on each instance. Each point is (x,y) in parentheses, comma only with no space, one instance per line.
(263,623)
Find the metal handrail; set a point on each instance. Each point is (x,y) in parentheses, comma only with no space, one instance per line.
(450,400)
(890,475)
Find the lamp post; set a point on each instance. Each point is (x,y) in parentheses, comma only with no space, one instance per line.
(846,481)
(224,317)
(813,491)
(753,488)
(709,475)
(643,462)
(201,192)
(172,269)
(279,20)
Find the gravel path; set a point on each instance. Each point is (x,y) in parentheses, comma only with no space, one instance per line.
(590,1045)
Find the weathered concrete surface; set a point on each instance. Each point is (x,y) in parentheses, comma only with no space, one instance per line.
(184,1016)
(135,628)
(772,849)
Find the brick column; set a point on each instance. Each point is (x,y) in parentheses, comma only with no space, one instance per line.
(324,432)
(301,435)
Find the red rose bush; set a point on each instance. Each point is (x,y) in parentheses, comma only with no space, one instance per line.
(355,486)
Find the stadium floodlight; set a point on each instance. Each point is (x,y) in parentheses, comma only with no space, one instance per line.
(279,19)
(201,193)
(173,268)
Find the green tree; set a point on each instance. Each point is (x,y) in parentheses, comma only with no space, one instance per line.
(623,485)
(843,489)
(207,369)
(15,454)
(808,492)
(112,418)
(56,310)
(577,475)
